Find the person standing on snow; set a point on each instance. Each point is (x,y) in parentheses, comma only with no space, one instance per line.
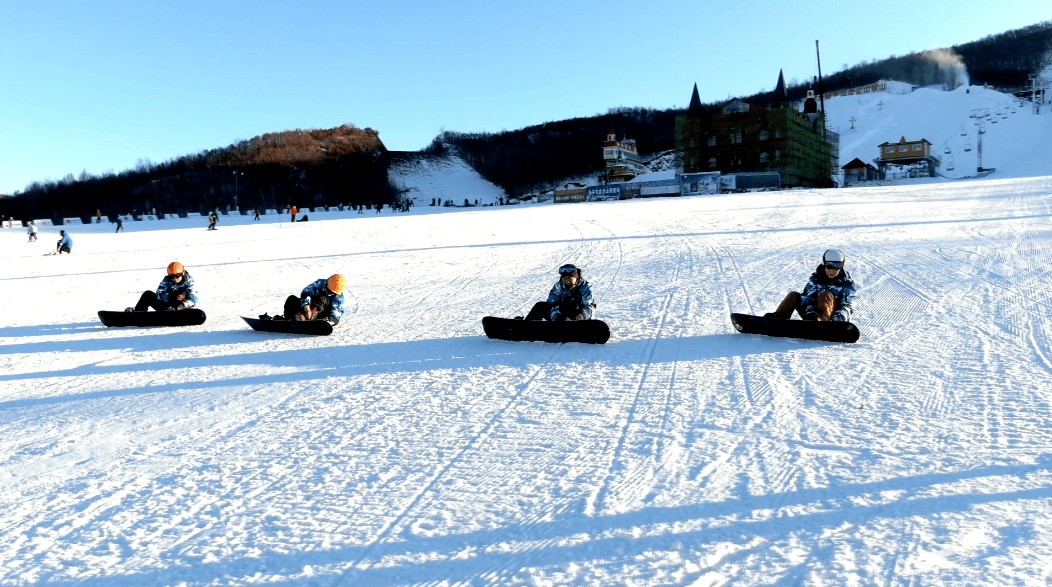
(321,300)
(32,230)
(176,292)
(65,244)
(828,296)
(569,299)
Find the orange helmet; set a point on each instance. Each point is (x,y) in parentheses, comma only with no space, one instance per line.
(336,283)
(175,268)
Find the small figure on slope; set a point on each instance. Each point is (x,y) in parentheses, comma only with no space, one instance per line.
(828,295)
(321,300)
(212,219)
(176,292)
(570,299)
(32,230)
(65,244)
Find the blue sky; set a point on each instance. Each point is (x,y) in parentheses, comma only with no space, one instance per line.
(97,86)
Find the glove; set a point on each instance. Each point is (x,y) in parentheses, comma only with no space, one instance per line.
(841,315)
(810,313)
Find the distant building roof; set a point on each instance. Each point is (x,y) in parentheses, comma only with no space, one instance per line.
(695,101)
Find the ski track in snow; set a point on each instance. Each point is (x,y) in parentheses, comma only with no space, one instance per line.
(407,449)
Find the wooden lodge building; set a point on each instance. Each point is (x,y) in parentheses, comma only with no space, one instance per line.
(907,153)
(743,137)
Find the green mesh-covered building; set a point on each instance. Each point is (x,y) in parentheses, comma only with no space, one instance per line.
(745,138)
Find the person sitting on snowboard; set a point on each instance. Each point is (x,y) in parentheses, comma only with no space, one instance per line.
(176,292)
(321,300)
(828,296)
(570,299)
(65,244)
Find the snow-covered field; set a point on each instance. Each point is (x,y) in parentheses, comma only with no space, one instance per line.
(408,449)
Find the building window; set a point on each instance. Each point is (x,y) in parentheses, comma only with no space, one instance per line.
(764,135)
(904,149)
(889,149)
(763,157)
(712,163)
(916,147)
(712,141)
(736,138)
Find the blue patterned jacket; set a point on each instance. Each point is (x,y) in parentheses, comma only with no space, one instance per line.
(841,286)
(319,288)
(581,294)
(168,289)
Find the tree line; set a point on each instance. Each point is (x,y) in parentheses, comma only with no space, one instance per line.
(306,168)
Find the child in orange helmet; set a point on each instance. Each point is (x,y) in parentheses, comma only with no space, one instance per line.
(321,300)
(176,292)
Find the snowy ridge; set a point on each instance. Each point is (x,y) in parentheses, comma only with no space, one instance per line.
(408,449)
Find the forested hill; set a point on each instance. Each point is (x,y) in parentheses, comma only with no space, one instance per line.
(538,157)
(302,167)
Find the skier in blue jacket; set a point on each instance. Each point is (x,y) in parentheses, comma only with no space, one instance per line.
(176,292)
(570,299)
(828,296)
(65,244)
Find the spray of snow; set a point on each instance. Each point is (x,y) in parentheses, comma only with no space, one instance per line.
(951,67)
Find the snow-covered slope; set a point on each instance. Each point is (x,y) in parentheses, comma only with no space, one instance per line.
(408,449)
(442,177)
(1018,142)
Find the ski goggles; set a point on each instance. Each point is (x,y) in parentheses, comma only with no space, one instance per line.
(835,264)
(566,270)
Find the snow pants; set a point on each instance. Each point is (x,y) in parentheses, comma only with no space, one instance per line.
(823,308)
(543,310)
(319,307)
(149,299)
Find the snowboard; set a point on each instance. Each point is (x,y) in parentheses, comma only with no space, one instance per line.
(587,331)
(315,327)
(811,330)
(188,317)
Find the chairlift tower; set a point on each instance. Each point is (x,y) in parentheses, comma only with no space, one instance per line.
(980,114)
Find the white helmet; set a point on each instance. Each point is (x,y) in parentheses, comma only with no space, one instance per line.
(834,258)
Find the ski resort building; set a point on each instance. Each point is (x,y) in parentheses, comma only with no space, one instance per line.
(915,154)
(858,170)
(622,159)
(744,137)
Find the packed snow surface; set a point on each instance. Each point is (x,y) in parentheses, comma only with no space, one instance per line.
(408,449)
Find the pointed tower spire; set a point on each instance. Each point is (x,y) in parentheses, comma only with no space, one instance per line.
(695,101)
(780,94)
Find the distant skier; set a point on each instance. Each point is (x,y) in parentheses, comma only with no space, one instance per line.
(569,299)
(120,225)
(828,296)
(65,244)
(294,211)
(32,230)
(257,215)
(321,300)
(176,292)
(212,219)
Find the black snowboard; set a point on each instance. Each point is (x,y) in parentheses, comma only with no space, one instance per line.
(188,317)
(811,330)
(315,327)
(588,331)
